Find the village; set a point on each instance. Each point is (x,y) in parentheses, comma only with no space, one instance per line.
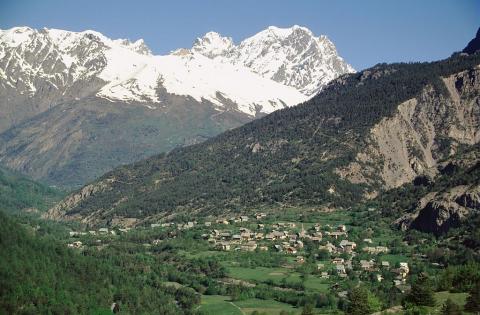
(289,238)
(257,233)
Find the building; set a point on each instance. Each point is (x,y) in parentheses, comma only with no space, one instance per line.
(259,236)
(341,269)
(376,250)
(338,261)
(347,246)
(225,236)
(224,246)
(337,234)
(245,236)
(249,247)
(291,250)
(300,259)
(76,244)
(367,265)
(403,270)
(260,215)
(329,247)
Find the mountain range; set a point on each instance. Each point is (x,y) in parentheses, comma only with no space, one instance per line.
(76,104)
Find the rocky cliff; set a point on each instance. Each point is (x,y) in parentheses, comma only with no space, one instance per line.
(422,131)
(452,198)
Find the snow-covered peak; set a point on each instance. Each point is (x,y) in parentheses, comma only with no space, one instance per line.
(213,44)
(280,33)
(292,56)
(69,40)
(70,64)
(16,36)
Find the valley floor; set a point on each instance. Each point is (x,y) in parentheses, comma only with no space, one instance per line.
(270,261)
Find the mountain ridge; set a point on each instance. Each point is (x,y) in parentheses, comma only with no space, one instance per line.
(294,156)
(68,94)
(292,56)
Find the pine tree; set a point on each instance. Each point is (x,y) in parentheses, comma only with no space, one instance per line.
(362,302)
(451,308)
(473,300)
(421,293)
(307,309)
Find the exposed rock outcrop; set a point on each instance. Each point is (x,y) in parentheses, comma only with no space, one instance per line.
(423,131)
(438,212)
(59,211)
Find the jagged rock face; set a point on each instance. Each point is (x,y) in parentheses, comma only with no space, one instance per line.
(37,74)
(423,131)
(438,212)
(58,211)
(291,56)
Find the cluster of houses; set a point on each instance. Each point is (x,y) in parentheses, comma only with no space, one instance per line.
(369,266)
(279,237)
(100,231)
(284,238)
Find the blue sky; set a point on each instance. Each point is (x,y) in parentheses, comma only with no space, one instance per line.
(365,32)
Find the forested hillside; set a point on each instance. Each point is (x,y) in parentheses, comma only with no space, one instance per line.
(40,275)
(18,192)
(293,156)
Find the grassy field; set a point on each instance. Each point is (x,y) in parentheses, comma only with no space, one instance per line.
(277,275)
(260,274)
(222,305)
(266,306)
(218,305)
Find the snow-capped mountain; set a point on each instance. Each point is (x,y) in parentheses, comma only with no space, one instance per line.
(129,72)
(291,56)
(73,105)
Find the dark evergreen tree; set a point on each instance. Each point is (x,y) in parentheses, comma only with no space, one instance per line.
(451,308)
(473,300)
(422,292)
(362,302)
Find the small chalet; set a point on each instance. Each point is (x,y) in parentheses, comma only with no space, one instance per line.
(300,259)
(338,261)
(224,246)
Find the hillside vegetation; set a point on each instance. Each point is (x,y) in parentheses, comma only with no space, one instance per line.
(40,275)
(289,157)
(17,192)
